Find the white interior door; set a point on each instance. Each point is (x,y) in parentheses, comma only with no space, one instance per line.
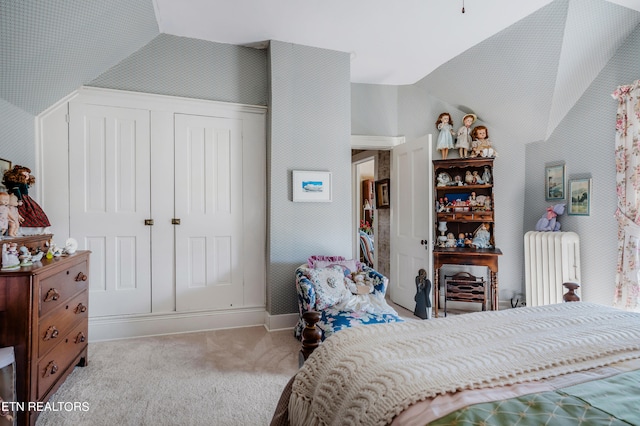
(208,202)
(109,154)
(411,216)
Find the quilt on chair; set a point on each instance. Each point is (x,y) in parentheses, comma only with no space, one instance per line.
(343,298)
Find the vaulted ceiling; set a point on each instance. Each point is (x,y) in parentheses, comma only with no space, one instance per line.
(500,56)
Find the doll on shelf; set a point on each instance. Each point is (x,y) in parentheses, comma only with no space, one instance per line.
(17,181)
(481,145)
(16,220)
(8,216)
(463,142)
(481,237)
(445,137)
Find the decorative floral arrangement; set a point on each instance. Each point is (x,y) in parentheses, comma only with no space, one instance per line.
(365,227)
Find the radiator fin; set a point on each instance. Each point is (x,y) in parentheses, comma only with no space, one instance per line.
(550,258)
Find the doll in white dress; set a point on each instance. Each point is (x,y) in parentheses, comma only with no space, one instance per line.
(445,137)
(463,142)
(481,145)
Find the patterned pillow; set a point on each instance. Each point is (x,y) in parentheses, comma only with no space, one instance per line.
(329,284)
(351,264)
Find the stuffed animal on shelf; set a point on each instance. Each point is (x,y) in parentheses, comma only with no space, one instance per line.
(549,221)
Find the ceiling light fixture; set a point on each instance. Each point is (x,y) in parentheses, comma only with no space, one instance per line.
(462,6)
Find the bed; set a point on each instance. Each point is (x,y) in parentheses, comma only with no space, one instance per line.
(570,363)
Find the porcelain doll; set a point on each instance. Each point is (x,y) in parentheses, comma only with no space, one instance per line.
(463,142)
(486,175)
(481,237)
(468,178)
(451,240)
(10,256)
(445,137)
(481,145)
(7,216)
(14,220)
(17,181)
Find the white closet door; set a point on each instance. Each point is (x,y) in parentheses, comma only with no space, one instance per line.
(109,201)
(208,202)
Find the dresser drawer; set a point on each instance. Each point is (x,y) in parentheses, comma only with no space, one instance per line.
(53,365)
(54,327)
(56,289)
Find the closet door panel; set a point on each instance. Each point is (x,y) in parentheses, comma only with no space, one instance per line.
(109,148)
(208,202)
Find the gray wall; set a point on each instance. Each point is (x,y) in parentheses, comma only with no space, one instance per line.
(419,112)
(310,130)
(585,141)
(374,110)
(49,49)
(186,67)
(17,135)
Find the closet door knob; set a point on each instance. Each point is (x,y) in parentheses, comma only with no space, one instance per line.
(175,221)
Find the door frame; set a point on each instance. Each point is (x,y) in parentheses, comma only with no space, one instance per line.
(370,144)
(360,158)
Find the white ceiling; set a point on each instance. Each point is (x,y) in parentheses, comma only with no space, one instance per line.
(391,42)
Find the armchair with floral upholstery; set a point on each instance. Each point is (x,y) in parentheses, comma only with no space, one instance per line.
(345,295)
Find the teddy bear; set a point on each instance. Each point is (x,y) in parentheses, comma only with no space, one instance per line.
(549,221)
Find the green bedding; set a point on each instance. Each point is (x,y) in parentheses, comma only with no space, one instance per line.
(611,401)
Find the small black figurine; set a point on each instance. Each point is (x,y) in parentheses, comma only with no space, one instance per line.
(423,292)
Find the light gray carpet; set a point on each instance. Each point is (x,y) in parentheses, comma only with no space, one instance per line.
(224,377)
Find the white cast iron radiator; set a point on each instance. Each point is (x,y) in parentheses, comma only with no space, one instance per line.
(550,259)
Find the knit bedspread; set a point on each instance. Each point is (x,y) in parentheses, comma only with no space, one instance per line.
(367,375)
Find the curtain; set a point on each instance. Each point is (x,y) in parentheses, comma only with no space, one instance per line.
(627,152)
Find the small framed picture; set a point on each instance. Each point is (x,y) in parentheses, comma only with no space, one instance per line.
(383,197)
(580,193)
(554,181)
(311,187)
(4,166)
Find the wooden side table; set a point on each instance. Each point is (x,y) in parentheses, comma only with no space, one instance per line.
(465,256)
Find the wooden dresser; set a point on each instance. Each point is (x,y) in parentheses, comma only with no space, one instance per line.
(44,316)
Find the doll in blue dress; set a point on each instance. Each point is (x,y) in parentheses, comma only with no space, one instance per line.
(445,138)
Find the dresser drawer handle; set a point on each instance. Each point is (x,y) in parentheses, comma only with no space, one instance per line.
(80,338)
(51,333)
(80,309)
(52,368)
(81,277)
(52,294)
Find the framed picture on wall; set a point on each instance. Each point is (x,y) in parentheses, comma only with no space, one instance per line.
(554,181)
(383,197)
(311,187)
(4,166)
(580,193)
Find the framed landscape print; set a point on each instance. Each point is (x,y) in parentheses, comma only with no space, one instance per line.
(554,181)
(311,186)
(580,194)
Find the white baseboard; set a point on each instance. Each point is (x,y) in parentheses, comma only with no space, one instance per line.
(131,326)
(280,322)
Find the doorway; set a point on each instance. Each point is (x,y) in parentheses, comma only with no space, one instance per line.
(364,172)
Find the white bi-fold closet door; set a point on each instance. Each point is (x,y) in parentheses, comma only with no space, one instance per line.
(166,201)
